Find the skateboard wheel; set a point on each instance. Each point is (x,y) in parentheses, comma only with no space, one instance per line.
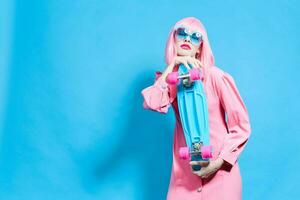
(172,78)
(206,152)
(194,74)
(184,153)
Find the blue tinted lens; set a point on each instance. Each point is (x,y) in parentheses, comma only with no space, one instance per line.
(181,33)
(196,38)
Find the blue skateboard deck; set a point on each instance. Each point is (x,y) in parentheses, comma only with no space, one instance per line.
(193,112)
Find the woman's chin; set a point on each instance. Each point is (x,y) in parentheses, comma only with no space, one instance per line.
(182,52)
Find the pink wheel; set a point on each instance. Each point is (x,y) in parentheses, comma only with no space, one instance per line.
(194,74)
(172,78)
(206,152)
(184,153)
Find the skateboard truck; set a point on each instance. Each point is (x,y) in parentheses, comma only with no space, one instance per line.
(187,78)
(199,153)
(198,149)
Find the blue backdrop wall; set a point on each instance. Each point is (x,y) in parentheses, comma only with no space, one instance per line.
(72,124)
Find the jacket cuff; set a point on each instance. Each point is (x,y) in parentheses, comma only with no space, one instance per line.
(228,157)
(162,84)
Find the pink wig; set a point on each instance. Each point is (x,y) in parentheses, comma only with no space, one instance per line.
(194,24)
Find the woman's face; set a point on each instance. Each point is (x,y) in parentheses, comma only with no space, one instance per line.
(187,42)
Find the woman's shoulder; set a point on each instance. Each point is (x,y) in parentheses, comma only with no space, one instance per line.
(216,73)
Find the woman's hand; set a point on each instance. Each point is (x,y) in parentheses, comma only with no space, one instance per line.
(185,60)
(207,170)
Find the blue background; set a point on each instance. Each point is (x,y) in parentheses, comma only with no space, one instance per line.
(72,124)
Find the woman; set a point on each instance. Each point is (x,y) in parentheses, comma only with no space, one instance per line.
(221,178)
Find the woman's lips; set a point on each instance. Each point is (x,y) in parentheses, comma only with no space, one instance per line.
(185,46)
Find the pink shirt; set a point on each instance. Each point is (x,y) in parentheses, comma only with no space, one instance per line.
(227,138)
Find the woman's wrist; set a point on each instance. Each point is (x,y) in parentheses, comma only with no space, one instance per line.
(220,161)
(168,70)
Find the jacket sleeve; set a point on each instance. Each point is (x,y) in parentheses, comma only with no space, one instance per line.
(238,124)
(156,97)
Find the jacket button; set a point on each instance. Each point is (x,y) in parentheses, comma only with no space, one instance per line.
(199,189)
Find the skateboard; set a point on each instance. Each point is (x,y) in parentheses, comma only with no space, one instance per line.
(193,110)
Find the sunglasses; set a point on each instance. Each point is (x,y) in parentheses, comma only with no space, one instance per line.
(182,33)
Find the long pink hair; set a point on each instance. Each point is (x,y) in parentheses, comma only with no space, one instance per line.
(192,23)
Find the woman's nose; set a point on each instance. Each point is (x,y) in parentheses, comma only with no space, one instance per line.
(187,39)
